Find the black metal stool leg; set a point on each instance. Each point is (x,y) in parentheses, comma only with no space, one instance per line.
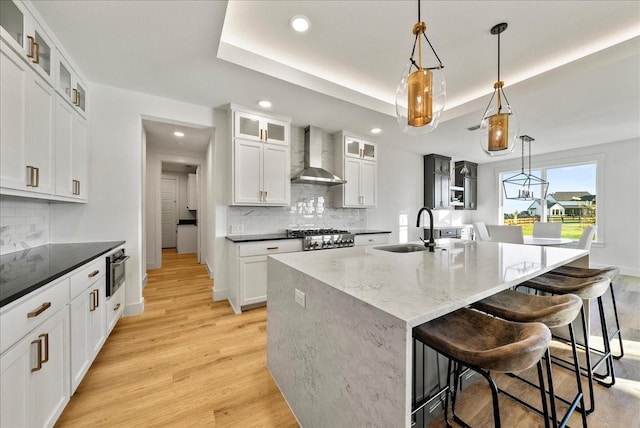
(574,351)
(592,404)
(617,332)
(607,349)
(552,395)
(543,395)
(446,397)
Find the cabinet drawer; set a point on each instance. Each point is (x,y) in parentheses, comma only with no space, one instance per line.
(449,233)
(21,319)
(85,276)
(379,238)
(270,247)
(115,308)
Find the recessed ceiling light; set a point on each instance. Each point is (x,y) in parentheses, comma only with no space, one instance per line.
(300,23)
(264,103)
(178,134)
(376,130)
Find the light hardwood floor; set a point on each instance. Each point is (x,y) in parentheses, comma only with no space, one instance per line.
(189,361)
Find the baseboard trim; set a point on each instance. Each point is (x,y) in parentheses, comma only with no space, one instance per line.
(145,279)
(134,309)
(219,294)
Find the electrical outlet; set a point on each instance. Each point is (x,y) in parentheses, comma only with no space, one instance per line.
(237,228)
(300,298)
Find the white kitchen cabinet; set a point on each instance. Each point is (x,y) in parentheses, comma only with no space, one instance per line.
(254,127)
(69,85)
(249,270)
(192,192)
(25,35)
(356,162)
(187,239)
(88,319)
(261,159)
(371,239)
(71,151)
(34,375)
(262,174)
(26,123)
(115,308)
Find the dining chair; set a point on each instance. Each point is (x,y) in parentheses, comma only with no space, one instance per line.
(482,234)
(547,230)
(586,239)
(509,234)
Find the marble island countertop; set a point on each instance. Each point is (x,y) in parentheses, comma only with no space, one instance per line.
(420,286)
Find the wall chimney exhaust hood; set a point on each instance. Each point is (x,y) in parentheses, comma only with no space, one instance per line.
(313,172)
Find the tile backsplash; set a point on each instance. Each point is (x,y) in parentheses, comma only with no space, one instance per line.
(24,223)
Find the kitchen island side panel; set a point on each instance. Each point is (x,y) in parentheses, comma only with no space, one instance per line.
(339,362)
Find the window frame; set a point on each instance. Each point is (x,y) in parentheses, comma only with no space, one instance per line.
(542,164)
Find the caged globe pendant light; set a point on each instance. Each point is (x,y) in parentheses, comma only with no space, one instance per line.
(499,126)
(522,186)
(421,91)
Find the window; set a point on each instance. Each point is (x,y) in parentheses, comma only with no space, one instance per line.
(571,200)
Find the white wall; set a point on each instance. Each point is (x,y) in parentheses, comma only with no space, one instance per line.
(618,198)
(114,211)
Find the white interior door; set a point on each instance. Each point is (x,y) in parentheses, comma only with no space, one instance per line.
(169,194)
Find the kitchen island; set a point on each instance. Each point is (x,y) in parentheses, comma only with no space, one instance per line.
(340,348)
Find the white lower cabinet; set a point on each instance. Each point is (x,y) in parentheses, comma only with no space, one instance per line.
(88,329)
(249,270)
(115,308)
(34,375)
(372,239)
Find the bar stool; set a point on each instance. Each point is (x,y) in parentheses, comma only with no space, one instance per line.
(584,288)
(484,343)
(552,311)
(612,273)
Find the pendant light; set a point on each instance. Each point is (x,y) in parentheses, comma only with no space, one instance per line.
(421,91)
(499,126)
(522,186)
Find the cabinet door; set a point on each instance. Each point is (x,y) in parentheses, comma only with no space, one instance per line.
(64,150)
(470,193)
(253,280)
(192,192)
(277,131)
(12,21)
(352,148)
(98,317)
(368,184)
(351,189)
(247,126)
(39,133)
(441,191)
(39,48)
(13,87)
(369,151)
(16,385)
(80,338)
(79,155)
(115,308)
(276,178)
(247,172)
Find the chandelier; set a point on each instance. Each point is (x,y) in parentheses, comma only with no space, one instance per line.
(522,186)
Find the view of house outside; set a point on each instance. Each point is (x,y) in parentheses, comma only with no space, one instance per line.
(571,200)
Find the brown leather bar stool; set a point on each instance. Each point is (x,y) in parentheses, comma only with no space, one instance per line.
(612,273)
(552,311)
(484,343)
(584,288)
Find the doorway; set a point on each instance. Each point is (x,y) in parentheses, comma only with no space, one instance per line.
(169,211)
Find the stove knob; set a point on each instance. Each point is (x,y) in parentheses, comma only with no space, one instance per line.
(329,242)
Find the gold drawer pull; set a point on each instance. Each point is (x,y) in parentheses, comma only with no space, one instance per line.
(45,336)
(94,273)
(116,307)
(272,248)
(41,309)
(39,364)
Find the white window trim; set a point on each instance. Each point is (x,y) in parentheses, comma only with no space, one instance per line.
(545,162)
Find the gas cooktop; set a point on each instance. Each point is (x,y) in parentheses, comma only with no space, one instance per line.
(323,239)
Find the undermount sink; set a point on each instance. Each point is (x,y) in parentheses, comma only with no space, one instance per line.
(403,248)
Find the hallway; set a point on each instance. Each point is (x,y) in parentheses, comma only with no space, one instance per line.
(186,361)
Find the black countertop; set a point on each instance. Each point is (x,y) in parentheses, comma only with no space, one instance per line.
(283,235)
(25,271)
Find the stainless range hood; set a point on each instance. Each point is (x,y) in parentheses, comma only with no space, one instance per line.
(313,172)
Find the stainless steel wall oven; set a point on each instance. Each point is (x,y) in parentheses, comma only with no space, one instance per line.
(115,271)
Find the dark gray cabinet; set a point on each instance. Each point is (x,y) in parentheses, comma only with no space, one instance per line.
(466,177)
(437,178)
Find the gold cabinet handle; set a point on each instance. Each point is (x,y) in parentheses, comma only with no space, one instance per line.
(41,309)
(45,336)
(94,273)
(75,97)
(36,60)
(116,307)
(29,176)
(261,195)
(266,134)
(31,42)
(265,195)
(261,135)
(97,297)
(92,302)
(38,366)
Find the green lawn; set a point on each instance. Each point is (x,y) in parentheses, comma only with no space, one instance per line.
(569,230)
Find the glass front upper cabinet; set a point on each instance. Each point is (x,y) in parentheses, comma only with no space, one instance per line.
(356,148)
(12,21)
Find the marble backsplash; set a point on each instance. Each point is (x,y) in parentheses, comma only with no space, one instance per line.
(311,204)
(24,223)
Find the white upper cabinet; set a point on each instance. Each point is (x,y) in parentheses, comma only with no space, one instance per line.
(260,128)
(71,152)
(192,192)
(261,160)
(21,30)
(26,123)
(356,162)
(70,86)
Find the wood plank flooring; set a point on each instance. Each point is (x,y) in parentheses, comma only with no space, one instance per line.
(189,362)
